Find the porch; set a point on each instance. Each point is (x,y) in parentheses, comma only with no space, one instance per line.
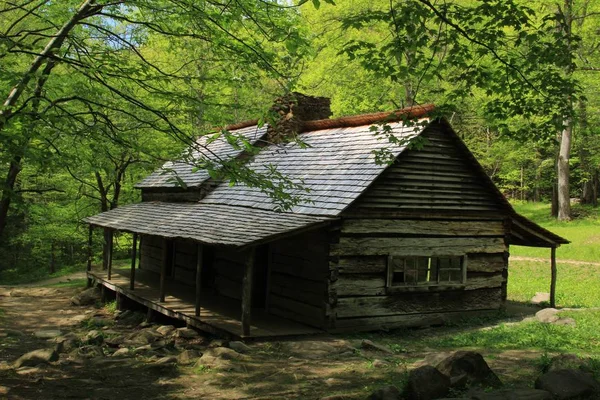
(217,314)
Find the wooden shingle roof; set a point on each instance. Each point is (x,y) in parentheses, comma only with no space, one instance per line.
(217,150)
(206,223)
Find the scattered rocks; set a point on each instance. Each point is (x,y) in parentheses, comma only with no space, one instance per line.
(143,337)
(166,360)
(94,338)
(90,351)
(468,368)
(33,358)
(240,347)
(165,330)
(142,349)
(567,384)
(114,341)
(87,297)
(513,394)
(47,333)
(540,297)
(186,333)
(385,393)
(426,383)
(369,345)
(188,356)
(122,352)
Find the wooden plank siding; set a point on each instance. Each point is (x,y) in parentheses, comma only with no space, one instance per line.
(152,249)
(298,280)
(430,202)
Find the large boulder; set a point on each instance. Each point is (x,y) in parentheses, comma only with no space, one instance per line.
(568,384)
(568,361)
(87,297)
(385,393)
(426,383)
(33,358)
(468,368)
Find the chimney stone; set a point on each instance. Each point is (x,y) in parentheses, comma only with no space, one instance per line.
(291,110)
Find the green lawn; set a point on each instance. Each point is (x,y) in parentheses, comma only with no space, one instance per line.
(583,232)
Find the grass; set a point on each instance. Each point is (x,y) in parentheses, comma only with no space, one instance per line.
(583,232)
(14,276)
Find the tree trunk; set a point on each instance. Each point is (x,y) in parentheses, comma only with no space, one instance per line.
(563,192)
(7,192)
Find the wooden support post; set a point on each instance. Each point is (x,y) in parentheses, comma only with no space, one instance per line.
(150,315)
(198,278)
(163,269)
(247,292)
(140,253)
(110,253)
(553,277)
(89,254)
(119,301)
(133,257)
(268,285)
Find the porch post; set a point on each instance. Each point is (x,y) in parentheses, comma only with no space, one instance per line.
(133,257)
(110,252)
(89,254)
(198,278)
(553,277)
(247,292)
(163,269)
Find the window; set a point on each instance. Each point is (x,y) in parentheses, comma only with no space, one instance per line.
(426,271)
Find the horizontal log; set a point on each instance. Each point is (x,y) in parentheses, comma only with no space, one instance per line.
(487,262)
(298,308)
(361,265)
(228,288)
(404,321)
(416,246)
(185,276)
(482,282)
(275,309)
(417,227)
(402,177)
(387,192)
(306,269)
(296,292)
(412,303)
(184,260)
(377,204)
(359,285)
(187,247)
(230,270)
(293,282)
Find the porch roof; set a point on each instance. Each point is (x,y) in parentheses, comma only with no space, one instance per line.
(212,224)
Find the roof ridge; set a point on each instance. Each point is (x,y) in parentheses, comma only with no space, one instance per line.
(417,111)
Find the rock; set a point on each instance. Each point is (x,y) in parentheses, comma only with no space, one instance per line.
(513,394)
(144,324)
(222,353)
(380,364)
(115,341)
(426,383)
(67,345)
(94,338)
(547,315)
(334,381)
(222,358)
(4,390)
(166,360)
(385,393)
(568,361)
(90,351)
(165,330)
(122,314)
(468,368)
(567,384)
(33,358)
(335,397)
(540,297)
(217,343)
(47,333)
(121,352)
(142,349)
(185,333)
(565,322)
(29,370)
(87,297)
(13,332)
(143,337)
(369,345)
(188,356)
(240,347)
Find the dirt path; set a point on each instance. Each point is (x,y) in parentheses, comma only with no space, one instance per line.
(559,261)
(294,369)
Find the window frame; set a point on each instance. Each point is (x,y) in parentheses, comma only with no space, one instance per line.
(425,286)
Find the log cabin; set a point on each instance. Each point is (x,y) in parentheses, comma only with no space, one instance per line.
(421,239)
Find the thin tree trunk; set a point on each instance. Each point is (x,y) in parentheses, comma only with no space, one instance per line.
(7,191)
(563,171)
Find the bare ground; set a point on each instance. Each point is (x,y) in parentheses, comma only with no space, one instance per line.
(293,369)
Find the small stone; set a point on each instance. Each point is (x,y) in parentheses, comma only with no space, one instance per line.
(188,357)
(426,383)
(385,393)
(144,324)
(121,352)
(567,384)
(4,390)
(94,338)
(380,364)
(87,297)
(165,330)
(540,297)
(142,349)
(33,358)
(333,381)
(240,347)
(217,343)
(47,333)
(369,345)
(28,370)
(565,322)
(186,333)
(547,315)
(143,337)
(166,360)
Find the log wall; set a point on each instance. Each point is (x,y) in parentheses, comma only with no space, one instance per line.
(229,272)
(298,278)
(152,253)
(431,202)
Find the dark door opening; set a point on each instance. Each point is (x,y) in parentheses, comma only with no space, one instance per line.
(259,282)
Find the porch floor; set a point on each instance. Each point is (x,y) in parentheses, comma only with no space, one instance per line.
(218,314)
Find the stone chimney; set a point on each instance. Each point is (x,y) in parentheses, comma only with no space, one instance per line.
(291,111)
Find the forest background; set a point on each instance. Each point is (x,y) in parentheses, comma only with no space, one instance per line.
(97,94)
